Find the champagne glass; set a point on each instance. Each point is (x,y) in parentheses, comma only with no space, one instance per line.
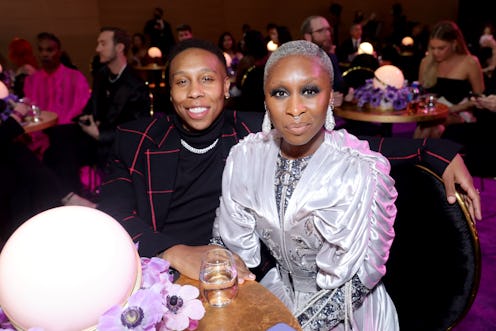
(218,277)
(34,113)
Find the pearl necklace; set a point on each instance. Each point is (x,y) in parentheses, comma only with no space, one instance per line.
(199,150)
(113,80)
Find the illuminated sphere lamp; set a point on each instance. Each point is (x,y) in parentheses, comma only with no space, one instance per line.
(65,267)
(154,52)
(271,46)
(4,91)
(388,75)
(365,48)
(407,41)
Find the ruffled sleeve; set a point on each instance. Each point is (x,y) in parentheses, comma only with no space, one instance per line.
(358,228)
(234,223)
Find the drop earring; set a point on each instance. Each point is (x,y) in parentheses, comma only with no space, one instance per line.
(266,124)
(329,120)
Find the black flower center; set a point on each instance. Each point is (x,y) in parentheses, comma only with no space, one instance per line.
(174,303)
(131,317)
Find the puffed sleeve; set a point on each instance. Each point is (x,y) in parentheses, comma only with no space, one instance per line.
(358,229)
(235,224)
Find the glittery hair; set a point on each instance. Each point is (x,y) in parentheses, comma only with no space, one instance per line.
(302,48)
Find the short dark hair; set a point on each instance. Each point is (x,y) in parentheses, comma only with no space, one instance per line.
(49,36)
(120,37)
(159,10)
(184,27)
(194,43)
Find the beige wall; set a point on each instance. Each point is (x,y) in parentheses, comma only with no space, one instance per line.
(77,22)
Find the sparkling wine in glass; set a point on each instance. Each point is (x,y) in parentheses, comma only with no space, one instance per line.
(218,277)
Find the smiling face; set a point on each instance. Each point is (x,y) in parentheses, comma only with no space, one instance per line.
(198,86)
(297,94)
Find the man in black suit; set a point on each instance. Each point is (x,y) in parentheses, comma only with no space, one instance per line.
(119,95)
(349,47)
(159,32)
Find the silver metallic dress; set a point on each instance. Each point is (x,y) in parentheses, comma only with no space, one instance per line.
(328,221)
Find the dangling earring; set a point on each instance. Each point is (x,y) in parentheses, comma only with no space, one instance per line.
(266,124)
(329,120)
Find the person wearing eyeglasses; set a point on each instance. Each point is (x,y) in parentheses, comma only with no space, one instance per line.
(318,30)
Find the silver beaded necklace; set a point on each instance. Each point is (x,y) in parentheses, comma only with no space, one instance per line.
(113,80)
(199,150)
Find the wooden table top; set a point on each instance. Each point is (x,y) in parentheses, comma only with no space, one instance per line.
(254,308)
(351,112)
(47,119)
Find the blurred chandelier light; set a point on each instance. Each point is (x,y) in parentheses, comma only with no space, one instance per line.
(366,48)
(4,91)
(407,41)
(154,52)
(271,46)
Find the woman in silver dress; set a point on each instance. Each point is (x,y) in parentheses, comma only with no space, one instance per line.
(321,201)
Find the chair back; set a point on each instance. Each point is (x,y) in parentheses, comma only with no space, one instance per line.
(434,267)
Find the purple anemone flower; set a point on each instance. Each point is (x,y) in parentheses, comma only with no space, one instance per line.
(182,307)
(400,103)
(143,311)
(155,270)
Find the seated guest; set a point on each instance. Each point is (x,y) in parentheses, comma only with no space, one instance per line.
(28,187)
(320,200)
(452,73)
(184,32)
(249,75)
(349,47)
(163,181)
(318,30)
(118,95)
(139,51)
(56,87)
(22,57)
(228,45)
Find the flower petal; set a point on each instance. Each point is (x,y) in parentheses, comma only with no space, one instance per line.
(188,292)
(194,309)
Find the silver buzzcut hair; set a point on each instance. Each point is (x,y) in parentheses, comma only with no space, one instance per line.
(302,48)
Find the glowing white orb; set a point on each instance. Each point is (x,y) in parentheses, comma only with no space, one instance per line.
(366,48)
(4,91)
(407,41)
(271,46)
(63,268)
(154,52)
(388,75)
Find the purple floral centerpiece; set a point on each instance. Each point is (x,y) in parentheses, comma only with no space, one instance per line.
(387,98)
(158,305)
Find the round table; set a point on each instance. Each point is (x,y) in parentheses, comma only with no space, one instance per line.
(352,112)
(47,119)
(254,308)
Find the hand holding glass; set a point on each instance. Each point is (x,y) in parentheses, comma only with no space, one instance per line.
(218,277)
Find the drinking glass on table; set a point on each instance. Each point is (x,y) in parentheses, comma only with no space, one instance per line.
(34,113)
(218,277)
